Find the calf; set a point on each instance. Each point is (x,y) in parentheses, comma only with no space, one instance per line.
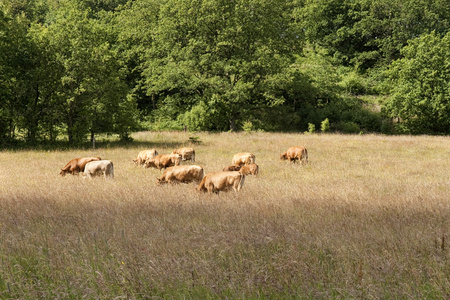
(186,153)
(295,153)
(182,174)
(250,169)
(144,155)
(221,181)
(243,159)
(98,168)
(163,161)
(77,165)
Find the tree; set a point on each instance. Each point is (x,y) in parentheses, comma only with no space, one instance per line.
(367,33)
(214,58)
(91,93)
(420,86)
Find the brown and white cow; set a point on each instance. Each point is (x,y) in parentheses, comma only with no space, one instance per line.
(295,153)
(250,169)
(232,168)
(243,159)
(216,182)
(182,174)
(163,161)
(144,155)
(99,168)
(186,153)
(76,165)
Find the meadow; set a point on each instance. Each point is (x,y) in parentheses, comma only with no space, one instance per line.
(367,217)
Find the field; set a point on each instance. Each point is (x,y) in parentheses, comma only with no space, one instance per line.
(367,217)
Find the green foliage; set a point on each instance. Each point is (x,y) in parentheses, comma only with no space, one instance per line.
(73,69)
(220,53)
(366,33)
(420,86)
(325,125)
(311,128)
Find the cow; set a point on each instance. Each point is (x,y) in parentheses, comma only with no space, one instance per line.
(232,168)
(250,169)
(163,161)
(182,174)
(243,159)
(144,155)
(186,153)
(99,168)
(221,181)
(295,153)
(77,165)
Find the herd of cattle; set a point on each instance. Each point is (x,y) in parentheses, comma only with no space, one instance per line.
(231,177)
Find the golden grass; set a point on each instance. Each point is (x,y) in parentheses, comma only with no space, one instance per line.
(368,217)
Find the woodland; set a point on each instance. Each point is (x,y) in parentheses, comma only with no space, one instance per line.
(71,70)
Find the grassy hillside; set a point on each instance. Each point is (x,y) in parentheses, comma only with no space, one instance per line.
(368,217)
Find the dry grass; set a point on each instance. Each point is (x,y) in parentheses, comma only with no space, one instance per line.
(368,217)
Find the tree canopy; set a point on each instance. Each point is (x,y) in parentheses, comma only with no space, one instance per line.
(74,69)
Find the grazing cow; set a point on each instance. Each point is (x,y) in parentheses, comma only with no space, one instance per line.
(163,161)
(296,153)
(221,181)
(98,168)
(144,155)
(232,168)
(182,174)
(243,159)
(77,165)
(250,169)
(186,153)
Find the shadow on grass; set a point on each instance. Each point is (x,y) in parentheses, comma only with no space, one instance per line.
(103,144)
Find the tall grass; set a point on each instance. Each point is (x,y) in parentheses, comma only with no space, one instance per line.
(368,217)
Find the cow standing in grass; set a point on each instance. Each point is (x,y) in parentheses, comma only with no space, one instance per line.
(250,169)
(295,153)
(77,165)
(241,159)
(186,153)
(99,168)
(182,174)
(163,161)
(144,155)
(216,182)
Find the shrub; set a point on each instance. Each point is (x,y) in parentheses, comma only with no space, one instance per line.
(325,125)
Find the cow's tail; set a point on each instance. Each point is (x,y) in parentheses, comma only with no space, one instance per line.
(306,156)
(110,170)
(193,156)
(201,187)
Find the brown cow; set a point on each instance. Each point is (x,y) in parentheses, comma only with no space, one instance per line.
(144,155)
(221,181)
(186,153)
(250,169)
(296,153)
(163,161)
(182,174)
(243,159)
(232,168)
(77,165)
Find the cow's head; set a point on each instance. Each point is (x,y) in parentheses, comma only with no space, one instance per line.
(160,181)
(177,160)
(283,156)
(149,163)
(63,172)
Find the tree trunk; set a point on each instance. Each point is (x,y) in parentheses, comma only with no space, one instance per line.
(233,124)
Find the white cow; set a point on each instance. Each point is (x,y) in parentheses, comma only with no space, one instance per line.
(98,168)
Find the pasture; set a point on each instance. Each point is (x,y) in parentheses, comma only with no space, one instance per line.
(367,217)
